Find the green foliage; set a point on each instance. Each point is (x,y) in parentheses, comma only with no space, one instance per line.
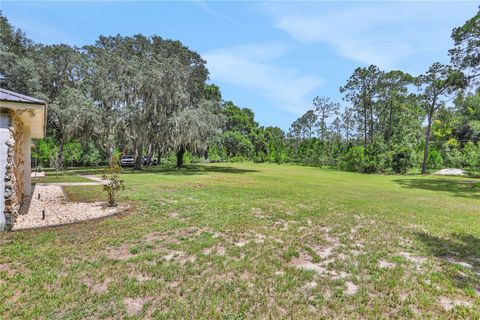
(73,152)
(452,154)
(354,159)
(42,151)
(113,182)
(472,158)
(402,159)
(236,144)
(92,156)
(148,95)
(466,53)
(435,160)
(375,158)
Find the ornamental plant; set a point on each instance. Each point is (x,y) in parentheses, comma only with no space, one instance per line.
(113,182)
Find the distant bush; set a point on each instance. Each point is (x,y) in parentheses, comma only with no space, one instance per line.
(471,153)
(402,159)
(375,159)
(354,159)
(453,156)
(435,160)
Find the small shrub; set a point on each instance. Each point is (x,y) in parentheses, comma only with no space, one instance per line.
(114,183)
(56,162)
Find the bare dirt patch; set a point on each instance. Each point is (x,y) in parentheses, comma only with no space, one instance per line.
(351,288)
(241,243)
(218,250)
(98,287)
(120,253)
(9,268)
(416,260)
(311,285)
(382,264)
(257,212)
(304,261)
(449,304)
(135,305)
(140,277)
(323,252)
(221,250)
(179,256)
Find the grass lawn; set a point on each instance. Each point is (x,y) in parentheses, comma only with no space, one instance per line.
(51,177)
(84,194)
(241,241)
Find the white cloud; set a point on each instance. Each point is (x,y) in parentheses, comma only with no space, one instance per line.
(208,9)
(252,67)
(42,32)
(373,33)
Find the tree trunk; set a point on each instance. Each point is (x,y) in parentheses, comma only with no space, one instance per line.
(180,154)
(427,140)
(138,157)
(150,154)
(60,154)
(159,157)
(371,124)
(365,127)
(388,132)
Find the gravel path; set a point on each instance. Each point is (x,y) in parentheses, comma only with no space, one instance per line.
(57,209)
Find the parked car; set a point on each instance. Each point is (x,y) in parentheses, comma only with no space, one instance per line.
(152,162)
(127,161)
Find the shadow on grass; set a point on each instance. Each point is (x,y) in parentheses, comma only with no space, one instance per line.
(188,170)
(191,169)
(458,188)
(460,249)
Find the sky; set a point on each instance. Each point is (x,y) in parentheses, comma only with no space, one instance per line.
(273,57)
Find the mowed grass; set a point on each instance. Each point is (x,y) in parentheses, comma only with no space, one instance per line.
(52,178)
(235,241)
(84,194)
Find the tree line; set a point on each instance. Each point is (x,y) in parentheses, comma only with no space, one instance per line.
(136,94)
(395,121)
(149,96)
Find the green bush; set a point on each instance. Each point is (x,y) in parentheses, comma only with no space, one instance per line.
(92,157)
(435,160)
(452,155)
(375,159)
(401,159)
(471,153)
(354,159)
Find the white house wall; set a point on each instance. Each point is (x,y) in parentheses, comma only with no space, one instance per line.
(4,137)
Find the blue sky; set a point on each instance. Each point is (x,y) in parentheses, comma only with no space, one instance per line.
(273,57)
